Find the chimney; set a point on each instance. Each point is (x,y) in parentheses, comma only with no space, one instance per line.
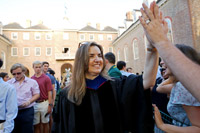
(120,30)
(89,24)
(129,19)
(98,26)
(129,16)
(28,23)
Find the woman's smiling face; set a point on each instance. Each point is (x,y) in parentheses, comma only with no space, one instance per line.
(95,64)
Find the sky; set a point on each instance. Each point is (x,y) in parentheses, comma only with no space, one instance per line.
(79,12)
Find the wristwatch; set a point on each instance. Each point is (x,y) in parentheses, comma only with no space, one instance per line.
(51,105)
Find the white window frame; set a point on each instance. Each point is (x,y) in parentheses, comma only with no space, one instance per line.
(90,36)
(36,51)
(37,34)
(24,51)
(169,23)
(82,39)
(118,55)
(145,43)
(65,36)
(126,53)
(3,57)
(14,34)
(109,36)
(26,36)
(135,42)
(48,34)
(111,48)
(100,37)
(12,51)
(50,53)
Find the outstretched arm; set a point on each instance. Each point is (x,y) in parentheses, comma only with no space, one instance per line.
(194,117)
(171,55)
(150,69)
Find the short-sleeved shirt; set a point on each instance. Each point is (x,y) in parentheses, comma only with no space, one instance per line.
(25,90)
(114,72)
(180,96)
(45,85)
(53,80)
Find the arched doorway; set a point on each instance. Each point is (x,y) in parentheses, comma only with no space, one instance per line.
(63,71)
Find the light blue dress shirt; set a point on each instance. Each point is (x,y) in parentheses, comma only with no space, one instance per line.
(8,105)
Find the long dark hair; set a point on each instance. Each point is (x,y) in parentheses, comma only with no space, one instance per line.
(189,52)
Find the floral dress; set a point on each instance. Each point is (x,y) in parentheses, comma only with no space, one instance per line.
(180,96)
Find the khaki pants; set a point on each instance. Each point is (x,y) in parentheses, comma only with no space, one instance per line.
(1,127)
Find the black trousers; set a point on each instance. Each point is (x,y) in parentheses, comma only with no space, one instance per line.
(24,121)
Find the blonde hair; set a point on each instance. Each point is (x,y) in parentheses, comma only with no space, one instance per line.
(77,88)
(37,63)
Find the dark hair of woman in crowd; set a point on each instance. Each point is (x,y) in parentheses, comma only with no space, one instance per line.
(190,52)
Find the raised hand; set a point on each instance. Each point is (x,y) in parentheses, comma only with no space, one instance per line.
(155,27)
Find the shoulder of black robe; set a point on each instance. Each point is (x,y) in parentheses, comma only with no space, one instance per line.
(61,122)
(136,105)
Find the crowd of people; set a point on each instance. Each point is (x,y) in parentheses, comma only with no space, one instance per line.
(105,96)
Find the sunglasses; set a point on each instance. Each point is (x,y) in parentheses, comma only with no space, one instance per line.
(83,43)
(16,73)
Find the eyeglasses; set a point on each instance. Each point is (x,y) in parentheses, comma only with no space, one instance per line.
(16,73)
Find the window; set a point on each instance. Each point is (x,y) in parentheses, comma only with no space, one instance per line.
(169,34)
(65,36)
(14,35)
(109,37)
(135,49)
(48,36)
(111,49)
(82,37)
(3,57)
(48,51)
(145,43)
(118,55)
(38,51)
(14,51)
(37,36)
(100,37)
(26,51)
(26,36)
(65,50)
(91,37)
(126,53)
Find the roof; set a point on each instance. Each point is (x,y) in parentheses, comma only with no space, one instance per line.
(88,28)
(39,26)
(6,38)
(13,26)
(108,28)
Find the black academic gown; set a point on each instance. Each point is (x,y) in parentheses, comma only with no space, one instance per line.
(116,106)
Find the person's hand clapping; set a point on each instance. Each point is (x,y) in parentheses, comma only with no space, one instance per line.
(155,27)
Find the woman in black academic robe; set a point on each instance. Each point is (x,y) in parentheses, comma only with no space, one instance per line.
(94,103)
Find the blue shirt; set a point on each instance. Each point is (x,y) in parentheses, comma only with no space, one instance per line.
(51,78)
(8,105)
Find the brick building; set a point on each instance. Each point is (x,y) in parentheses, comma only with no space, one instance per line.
(183,17)
(58,47)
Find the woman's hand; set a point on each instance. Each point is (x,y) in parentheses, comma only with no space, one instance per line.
(157,117)
(156,30)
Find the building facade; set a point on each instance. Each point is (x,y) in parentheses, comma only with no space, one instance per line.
(183,18)
(58,47)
